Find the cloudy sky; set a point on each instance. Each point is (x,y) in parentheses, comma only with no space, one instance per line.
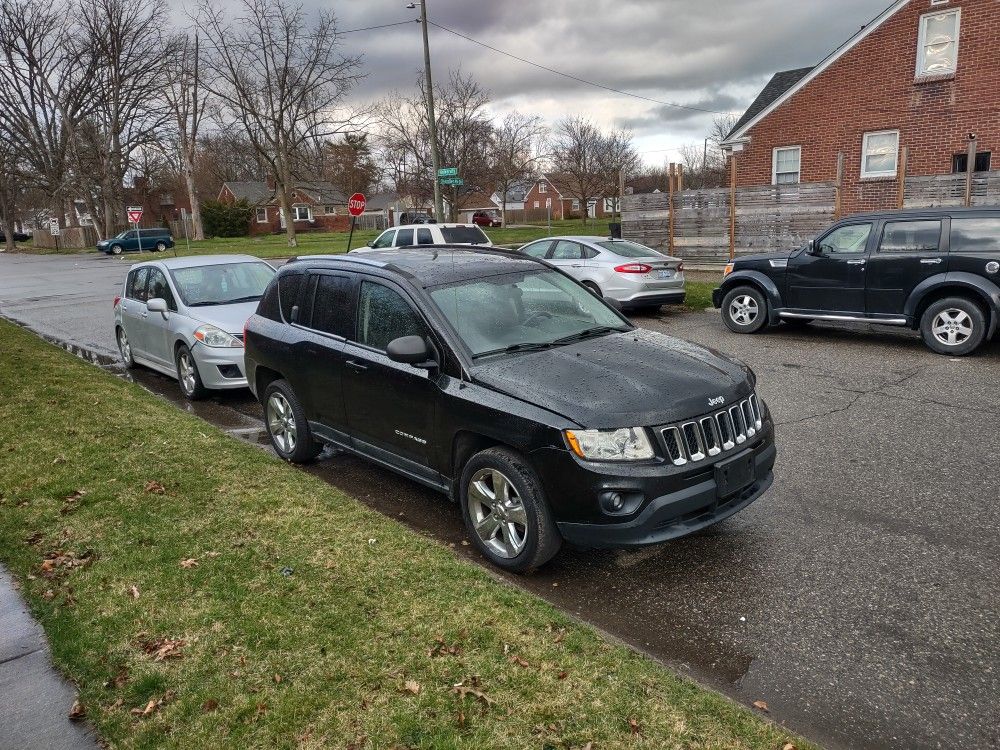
(709,54)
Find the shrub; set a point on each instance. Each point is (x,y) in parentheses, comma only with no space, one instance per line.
(226,219)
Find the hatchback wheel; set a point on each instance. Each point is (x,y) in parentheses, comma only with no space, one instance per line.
(116,249)
(287,425)
(744,310)
(954,326)
(125,348)
(505,511)
(187,375)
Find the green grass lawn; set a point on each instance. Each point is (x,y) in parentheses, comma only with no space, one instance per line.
(203,594)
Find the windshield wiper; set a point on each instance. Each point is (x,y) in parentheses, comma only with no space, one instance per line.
(588,333)
(249,298)
(528,346)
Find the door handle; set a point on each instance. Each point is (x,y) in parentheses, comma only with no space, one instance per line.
(856,262)
(930,261)
(356,366)
(145,314)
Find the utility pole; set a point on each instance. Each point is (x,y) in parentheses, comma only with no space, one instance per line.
(431,119)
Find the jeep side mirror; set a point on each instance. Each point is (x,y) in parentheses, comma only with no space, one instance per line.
(411,350)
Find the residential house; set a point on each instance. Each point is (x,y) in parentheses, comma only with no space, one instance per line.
(557,189)
(922,77)
(316,206)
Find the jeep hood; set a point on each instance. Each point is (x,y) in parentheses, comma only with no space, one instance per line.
(638,378)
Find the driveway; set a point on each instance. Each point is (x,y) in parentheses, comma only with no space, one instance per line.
(858,598)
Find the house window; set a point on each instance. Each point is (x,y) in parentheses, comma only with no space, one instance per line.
(960,162)
(536,204)
(331,210)
(576,205)
(786,165)
(937,47)
(262,215)
(301,213)
(543,188)
(879,154)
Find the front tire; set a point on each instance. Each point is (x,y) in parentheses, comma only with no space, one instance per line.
(744,310)
(116,249)
(955,326)
(188,376)
(505,511)
(287,425)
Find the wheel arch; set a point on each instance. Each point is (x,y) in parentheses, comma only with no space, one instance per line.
(263,377)
(761,282)
(981,291)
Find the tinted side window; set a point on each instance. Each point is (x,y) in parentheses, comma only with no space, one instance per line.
(910,237)
(157,286)
(424,237)
(464,235)
(975,235)
(289,287)
(404,237)
(385,239)
(332,305)
(383,315)
(268,305)
(137,287)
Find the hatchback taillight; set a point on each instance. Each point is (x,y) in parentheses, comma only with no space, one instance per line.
(634,268)
(117,300)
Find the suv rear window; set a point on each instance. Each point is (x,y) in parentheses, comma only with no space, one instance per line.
(289,287)
(975,235)
(464,236)
(911,236)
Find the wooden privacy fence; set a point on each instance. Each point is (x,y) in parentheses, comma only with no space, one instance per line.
(950,190)
(766,217)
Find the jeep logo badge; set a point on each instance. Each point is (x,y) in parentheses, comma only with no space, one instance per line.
(717,401)
(992,267)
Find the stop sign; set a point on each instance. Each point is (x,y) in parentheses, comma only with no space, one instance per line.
(356,205)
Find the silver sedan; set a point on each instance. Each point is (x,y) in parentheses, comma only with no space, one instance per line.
(184,317)
(631,274)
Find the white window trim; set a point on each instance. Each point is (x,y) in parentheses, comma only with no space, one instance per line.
(543,188)
(260,220)
(536,204)
(295,213)
(864,152)
(922,35)
(576,205)
(774,164)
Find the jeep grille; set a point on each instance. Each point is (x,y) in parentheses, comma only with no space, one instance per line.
(708,436)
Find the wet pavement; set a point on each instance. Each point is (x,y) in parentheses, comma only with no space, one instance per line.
(858,598)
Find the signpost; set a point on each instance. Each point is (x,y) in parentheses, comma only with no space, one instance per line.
(54,230)
(135,216)
(355,207)
(448,172)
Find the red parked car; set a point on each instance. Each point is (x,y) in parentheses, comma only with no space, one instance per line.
(486,219)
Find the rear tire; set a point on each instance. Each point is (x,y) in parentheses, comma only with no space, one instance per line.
(125,348)
(188,376)
(744,309)
(505,511)
(287,425)
(161,246)
(955,326)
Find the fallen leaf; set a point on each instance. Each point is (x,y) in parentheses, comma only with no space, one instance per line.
(788,746)
(761,705)
(634,726)
(277,679)
(412,686)
(77,712)
(155,488)
(518,660)
(189,563)
(134,592)
(464,690)
(150,707)
(34,538)
(162,648)
(210,705)
(49,595)
(563,675)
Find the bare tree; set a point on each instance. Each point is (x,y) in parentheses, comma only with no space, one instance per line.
(516,152)
(577,152)
(616,159)
(188,101)
(11,189)
(281,79)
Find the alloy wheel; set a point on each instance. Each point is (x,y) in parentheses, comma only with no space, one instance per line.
(281,422)
(124,346)
(952,327)
(497,513)
(185,367)
(744,310)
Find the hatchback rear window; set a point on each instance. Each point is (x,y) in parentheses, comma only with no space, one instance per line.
(627,249)
(980,235)
(464,236)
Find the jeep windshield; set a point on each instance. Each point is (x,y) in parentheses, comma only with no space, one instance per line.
(523,311)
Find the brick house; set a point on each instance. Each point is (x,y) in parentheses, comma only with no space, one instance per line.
(558,188)
(921,77)
(316,206)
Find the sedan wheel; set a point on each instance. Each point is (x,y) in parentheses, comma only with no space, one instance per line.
(497,513)
(281,422)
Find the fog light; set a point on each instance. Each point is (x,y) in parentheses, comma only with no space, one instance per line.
(618,503)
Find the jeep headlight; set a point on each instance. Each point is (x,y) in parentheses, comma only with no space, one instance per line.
(624,444)
(216,338)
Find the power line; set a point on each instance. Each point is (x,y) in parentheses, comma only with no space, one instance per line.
(382,26)
(577,78)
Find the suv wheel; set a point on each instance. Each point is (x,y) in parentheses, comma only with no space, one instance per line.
(125,348)
(116,249)
(954,325)
(505,511)
(287,425)
(161,246)
(744,310)
(187,375)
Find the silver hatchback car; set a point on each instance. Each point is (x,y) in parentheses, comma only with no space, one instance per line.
(184,317)
(633,275)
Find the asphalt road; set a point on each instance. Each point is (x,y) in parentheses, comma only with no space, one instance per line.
(858,598)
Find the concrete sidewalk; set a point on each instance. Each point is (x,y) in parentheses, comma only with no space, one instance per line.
(35,700)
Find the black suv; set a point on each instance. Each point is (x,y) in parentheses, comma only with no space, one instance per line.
(936,270)
(499,380)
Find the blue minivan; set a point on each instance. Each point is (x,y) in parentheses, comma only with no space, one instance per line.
(158,238)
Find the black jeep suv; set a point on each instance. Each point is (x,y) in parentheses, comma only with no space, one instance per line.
(499,380)
(933,269)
